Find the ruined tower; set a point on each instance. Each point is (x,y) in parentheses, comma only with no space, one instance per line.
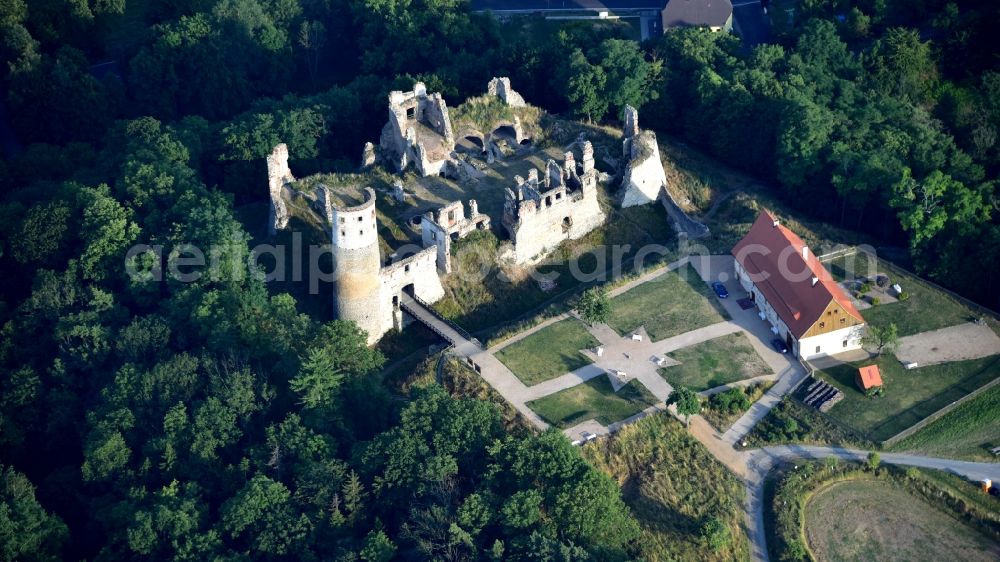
(278,175)
(357,261)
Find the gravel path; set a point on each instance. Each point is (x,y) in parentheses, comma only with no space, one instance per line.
(955,343)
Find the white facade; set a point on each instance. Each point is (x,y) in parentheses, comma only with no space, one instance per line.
(831,343)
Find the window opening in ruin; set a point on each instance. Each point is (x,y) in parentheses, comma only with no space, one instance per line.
(566,224)
(411,112)
(548,201)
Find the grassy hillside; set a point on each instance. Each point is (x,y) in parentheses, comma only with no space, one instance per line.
(673,486)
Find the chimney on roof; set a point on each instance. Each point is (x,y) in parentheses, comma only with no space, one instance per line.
(775,223)
(805,253)
(815,280)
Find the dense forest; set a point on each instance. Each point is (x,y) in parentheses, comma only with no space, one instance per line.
(215,420)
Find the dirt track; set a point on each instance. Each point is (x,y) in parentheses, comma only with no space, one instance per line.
(956,343)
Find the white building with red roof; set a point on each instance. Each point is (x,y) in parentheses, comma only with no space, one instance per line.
(794,292)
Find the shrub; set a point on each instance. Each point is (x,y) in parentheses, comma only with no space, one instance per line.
(715,533)
(904,296)
(875,301)
(866,288)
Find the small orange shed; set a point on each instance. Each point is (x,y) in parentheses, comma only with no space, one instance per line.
(869,377)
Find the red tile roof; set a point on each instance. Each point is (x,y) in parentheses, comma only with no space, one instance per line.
(869,377)
(773,257)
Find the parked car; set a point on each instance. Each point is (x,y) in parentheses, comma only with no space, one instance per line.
(720,290)
(779,345)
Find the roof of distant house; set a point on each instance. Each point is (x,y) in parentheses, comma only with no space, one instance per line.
(784,269)
(697,13)
(564,5)
(870,377)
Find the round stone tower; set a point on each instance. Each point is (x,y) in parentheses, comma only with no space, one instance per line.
(357,261)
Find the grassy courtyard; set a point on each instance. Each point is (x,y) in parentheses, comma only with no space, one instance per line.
(594,399)
(927,308)
(715,362)
(967,432)
(909,396)
(548,353)
(867,519)
(674,303)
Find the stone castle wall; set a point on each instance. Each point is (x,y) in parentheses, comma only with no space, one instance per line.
(278,175)
(539,215)
(644,179)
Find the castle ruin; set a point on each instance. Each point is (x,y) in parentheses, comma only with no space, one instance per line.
(441,227)
(278,176)
(365,291)
(541,213)
(644,178)
(500,87)
(418,132)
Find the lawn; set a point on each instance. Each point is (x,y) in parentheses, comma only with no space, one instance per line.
(672,484)
(967,432)
(909,396)
(712,363)
(673,303)
(866,519)
(593,399)
(548,353)
(482,298)
(928,308)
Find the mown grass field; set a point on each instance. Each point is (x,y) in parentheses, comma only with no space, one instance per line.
(550,352)
(594,399)
(928,308)
(674,303)
(866,519)
(967,432)
(672,485)
(715,362)
(909,396)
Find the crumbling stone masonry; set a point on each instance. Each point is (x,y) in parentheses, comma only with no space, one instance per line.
(563,205)
(644,178)
(278,176)
(441,227)
(365,291)
(500,87)
(418,132)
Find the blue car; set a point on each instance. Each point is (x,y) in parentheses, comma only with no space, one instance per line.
(720,290)
(779,345)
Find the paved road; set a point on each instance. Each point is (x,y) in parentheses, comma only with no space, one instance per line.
(751,466)
(490,368)
(760,461)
